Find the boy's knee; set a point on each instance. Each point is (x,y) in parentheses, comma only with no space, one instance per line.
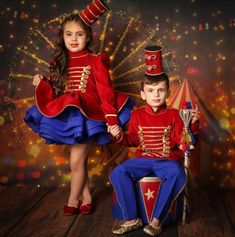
(117,172)
(176,170)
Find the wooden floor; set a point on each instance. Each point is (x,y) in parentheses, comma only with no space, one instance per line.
(32,212)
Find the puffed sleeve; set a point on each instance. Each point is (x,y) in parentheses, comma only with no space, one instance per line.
(104,88)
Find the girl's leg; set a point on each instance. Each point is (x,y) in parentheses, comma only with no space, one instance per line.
(86,195)
(78,160)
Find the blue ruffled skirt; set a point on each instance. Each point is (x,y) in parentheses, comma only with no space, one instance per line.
(71,126)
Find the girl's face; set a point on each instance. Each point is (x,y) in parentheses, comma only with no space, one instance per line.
(155,95)
(75,38)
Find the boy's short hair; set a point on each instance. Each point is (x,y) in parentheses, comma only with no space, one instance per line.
(150,80)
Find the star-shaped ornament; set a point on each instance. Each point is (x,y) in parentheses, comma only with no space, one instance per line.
(149,194)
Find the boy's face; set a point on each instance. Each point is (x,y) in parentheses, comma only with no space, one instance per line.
(155,94)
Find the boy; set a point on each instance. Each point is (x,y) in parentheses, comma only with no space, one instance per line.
(156,131)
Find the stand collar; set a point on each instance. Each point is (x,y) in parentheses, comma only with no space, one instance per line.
(160,109)
(78,54)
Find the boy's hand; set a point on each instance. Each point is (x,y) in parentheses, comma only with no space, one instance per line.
(195,114)
(36,79)
(115,131)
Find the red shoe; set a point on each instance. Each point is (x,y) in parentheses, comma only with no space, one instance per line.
(86,209)
(70,211)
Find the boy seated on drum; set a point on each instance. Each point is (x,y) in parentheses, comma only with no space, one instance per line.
(157,131)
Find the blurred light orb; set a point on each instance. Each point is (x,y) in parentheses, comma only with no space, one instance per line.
(2,120)
(4,179)
(34,150)
(224,123)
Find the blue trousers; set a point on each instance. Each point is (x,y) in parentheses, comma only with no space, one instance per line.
(125,176)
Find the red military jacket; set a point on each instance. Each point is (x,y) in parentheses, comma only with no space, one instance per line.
(157,135)
(88,88)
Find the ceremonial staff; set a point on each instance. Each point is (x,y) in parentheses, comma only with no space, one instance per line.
(186,145)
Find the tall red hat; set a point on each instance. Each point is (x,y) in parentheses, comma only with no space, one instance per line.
(153,60)
(93,11)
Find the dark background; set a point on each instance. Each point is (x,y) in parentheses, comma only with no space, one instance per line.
(198,34)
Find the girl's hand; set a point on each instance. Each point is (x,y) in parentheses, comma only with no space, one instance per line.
(195,114)
(36,79)
(115,131)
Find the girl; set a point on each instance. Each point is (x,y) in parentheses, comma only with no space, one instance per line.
(74,105)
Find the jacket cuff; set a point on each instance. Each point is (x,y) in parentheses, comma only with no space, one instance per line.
(112,119)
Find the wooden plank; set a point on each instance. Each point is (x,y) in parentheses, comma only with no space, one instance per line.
(171,231)
(38,212)
(100,223)
(46,218)
(228,197)
(15,203)
(208,216)
(166,232)
(3,189)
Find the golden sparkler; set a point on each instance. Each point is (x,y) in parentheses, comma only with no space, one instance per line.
(45,38)
(102,37)
(40,61)
(121,39)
